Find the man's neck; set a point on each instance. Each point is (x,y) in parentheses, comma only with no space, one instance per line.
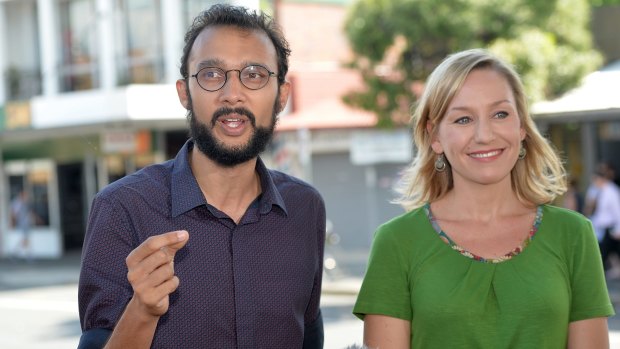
(229,189)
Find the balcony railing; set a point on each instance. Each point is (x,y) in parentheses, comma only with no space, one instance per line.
(22,84)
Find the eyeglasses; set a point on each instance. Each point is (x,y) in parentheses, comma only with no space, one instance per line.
(253,77)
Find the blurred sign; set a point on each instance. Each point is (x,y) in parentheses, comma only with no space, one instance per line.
(127,142)
(118,142)
(17,115)
(143,142)
(2,119)
(376,147)
(610,131)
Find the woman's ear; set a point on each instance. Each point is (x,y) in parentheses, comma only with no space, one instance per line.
(432,133)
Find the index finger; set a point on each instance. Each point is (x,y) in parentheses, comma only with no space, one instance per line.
(173,239)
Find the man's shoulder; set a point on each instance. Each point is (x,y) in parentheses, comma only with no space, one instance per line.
(613,186)
(285,181)
(155,176)
(609,191)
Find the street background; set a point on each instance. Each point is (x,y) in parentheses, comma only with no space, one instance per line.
(71,69)
(38,303)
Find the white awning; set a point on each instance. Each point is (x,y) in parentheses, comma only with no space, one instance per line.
(598,94)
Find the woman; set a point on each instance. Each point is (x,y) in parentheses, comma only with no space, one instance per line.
(481,260)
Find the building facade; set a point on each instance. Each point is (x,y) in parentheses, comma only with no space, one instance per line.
(87,96)
(585,123)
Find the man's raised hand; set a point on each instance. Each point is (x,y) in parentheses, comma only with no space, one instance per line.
(151,271)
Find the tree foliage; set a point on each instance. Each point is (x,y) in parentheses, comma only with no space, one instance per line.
(397,43)
(598,3)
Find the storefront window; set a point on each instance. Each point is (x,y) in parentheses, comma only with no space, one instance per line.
(21,71)
(78,28)
(29,205)
(144,160)
(139,41)
(116,166)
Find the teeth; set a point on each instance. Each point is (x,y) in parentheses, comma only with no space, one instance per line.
(233,122)
(485,155)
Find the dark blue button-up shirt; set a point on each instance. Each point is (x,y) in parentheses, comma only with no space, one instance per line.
(255,284)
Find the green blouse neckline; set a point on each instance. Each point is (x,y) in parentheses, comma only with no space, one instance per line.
(516,251)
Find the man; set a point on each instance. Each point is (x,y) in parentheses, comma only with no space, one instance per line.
(605,215)
(211,249)
(22,220)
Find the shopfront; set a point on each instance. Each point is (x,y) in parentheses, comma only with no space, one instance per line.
(32,229)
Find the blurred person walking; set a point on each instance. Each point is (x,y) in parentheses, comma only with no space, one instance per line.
(605,169)
(573,199)
(22,218)
(604,198)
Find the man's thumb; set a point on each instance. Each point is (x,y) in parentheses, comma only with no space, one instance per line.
(183,237)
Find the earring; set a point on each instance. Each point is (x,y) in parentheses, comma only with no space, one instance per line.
(440,163)
(522,152)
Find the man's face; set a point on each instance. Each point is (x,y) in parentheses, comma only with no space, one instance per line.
(233,124)
(599,180)
(217,151)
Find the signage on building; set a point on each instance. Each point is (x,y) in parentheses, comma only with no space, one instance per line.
(126,142)
(143,142)
(610,131)
(118,142)
(17,115)
(376,146)
(2,119)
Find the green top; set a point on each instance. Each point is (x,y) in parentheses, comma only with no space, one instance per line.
(455,300)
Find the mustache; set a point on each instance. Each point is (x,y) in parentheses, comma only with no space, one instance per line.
(226,111)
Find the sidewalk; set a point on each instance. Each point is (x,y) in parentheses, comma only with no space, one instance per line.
(65,270)
(16,274)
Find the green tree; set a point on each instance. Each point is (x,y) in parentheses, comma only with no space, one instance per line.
(597,3)
(397,43)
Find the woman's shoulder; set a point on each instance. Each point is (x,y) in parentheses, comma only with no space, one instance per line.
(565,221)
(563,215)
(405,225)
(409,237)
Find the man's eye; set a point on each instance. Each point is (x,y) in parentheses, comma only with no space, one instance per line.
(212,74)
(254,73)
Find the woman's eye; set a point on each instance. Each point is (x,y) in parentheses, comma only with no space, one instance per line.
(501,115)
(462,120)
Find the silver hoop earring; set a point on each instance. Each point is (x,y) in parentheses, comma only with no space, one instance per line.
(522,152)
(440,163)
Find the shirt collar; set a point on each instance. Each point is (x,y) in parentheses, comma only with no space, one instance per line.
(186,194)
(271,195)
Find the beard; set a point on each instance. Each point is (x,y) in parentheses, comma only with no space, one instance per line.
(224,155)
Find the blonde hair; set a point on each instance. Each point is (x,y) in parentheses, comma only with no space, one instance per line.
(537,179)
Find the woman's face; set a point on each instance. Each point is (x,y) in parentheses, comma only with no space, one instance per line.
(481,132)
